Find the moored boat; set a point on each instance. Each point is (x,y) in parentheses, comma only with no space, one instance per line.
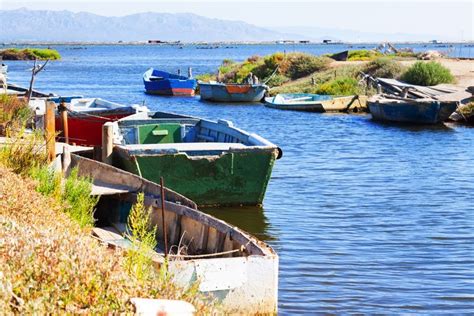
(86,116)
(316,102)
(213,163)
(230,92)
(165,83)
(416,111)
(230,264)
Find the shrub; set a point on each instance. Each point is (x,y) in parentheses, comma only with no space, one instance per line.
(206,77)
(363,55)
(49,181)
(77,199)
(22,152)
(384,68)
(301,65)
(339,86)
(142,234)
(14,113)
(427,74)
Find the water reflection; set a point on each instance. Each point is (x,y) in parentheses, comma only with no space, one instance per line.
(249,218)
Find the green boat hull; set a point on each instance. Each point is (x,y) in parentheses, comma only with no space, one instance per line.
(229,179)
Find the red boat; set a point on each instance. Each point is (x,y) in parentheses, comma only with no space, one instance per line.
(86,117)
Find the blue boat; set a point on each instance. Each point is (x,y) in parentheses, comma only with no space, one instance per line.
(164,83)
(416,111)
(308,102)
(230,92)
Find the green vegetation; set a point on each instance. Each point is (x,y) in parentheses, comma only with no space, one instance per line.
(467,109)
(339,86)
(78,202)
(14,113)
(427,74)
(363,55)
(30,54)
(52,266)
(283,67)
(384,67)
(336,81)
(142,234)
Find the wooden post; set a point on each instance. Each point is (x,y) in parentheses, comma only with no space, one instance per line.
(379,88)
(179,72)
(190,73)
(50,130)
(66,161)
(64,123)
(107,142)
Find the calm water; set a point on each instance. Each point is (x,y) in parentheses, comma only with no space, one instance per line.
(367,218)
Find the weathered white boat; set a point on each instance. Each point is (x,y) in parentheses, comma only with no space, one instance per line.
(230,264)
(308,102)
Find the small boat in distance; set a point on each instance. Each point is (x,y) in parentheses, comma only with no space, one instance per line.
(164,83)
(404,110)
(316,103)
(212,163)
(231,92)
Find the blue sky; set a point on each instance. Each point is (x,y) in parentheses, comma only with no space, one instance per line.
(445,19)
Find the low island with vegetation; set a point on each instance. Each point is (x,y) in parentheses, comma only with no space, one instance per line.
(29,54)
(298,72)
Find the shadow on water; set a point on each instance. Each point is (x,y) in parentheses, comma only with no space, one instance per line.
(409,127)
(250,219)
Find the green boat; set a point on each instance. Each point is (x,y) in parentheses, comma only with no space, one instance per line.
(212,163)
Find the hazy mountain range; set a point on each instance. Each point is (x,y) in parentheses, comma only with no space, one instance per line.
(38,25)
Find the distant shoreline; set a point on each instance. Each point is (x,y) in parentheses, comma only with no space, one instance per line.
(178,43)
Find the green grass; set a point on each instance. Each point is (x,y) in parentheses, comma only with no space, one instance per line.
(339,86)
(363,55)
(30,54)
(78,202)
(427,74)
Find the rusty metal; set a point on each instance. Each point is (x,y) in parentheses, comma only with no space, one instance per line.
(165,235)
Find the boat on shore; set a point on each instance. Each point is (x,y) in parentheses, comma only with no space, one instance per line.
(230,92)
(231,265)
(316,103)
(415,111)
(86,116)
(164,83)
(212,163)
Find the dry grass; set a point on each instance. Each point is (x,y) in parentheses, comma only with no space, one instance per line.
(49,265)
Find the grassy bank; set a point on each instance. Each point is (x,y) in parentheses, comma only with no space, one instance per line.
(30,54)
(305,73)
(49,262)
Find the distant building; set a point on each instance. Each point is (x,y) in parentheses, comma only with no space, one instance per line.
(156,42)
(327,41)
(304,42)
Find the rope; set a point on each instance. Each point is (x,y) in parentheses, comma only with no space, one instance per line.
(208,255)
(271,76)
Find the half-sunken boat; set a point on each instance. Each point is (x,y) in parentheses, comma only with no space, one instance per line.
(165,83)
(86,116)
(212,163)
(407,103)
(316,103)
(231,92)
(230,264)
(415,111)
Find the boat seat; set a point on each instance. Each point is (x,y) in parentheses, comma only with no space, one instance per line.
(181,147)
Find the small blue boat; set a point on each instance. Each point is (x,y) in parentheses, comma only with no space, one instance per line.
(229,92)
(416,111)
(164,83)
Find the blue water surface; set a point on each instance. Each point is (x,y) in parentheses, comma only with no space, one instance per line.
(366,217)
